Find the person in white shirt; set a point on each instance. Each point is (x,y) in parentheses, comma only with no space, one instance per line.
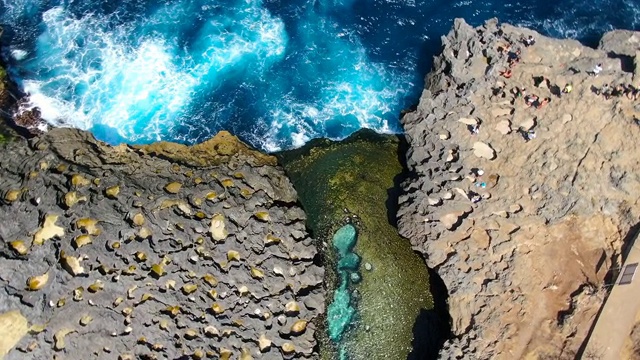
(597,69)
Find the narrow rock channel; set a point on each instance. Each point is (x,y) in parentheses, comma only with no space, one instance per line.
(348,187)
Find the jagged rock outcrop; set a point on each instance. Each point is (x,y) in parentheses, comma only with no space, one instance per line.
(11,99)
(523,228)
(111,252)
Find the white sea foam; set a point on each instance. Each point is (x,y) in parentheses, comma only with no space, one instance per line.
(139,90)
(91,72)
(18,54)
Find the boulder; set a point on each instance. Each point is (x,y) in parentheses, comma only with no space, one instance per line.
(620,42)
(468,121)
(504,127)
(500,112)
(483,150)
(528,124)
(450,220)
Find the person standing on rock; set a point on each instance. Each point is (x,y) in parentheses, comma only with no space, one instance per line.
(514,58)
(542,103)
(531,135)
(629,91)
(606,91)
(567,88)
(618,90)
(527,134)
(474,129)
(529,41)
(506,73)
(596,70)
(531,99)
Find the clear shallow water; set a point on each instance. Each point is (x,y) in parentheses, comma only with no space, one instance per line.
(277,73)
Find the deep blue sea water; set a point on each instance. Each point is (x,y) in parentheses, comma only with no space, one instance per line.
(274,72)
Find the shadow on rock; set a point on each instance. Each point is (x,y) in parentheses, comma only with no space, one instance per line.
(432,327)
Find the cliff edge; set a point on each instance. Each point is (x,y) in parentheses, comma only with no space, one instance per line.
(522,205)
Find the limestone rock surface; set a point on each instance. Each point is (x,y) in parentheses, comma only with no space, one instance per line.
(525,266)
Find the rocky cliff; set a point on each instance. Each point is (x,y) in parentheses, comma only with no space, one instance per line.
(162,251)
(522,210)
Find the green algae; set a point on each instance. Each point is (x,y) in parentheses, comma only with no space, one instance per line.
(6,133)
(351,182)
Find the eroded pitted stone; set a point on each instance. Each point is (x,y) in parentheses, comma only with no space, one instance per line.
(135,249)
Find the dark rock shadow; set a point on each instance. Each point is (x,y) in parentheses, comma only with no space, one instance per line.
(432,327)
(573,70)
(626,61)
(537,80)
(394,193)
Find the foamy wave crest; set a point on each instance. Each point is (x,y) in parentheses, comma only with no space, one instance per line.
(349,92)
(94,75)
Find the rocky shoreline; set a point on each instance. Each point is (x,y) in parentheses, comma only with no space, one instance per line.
(525,248)
(167,250)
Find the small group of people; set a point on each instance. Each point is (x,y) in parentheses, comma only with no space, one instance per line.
(476,176)
(528,41)
(608,91)
(513,56)
(532,100)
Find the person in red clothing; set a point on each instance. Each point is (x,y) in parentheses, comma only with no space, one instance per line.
(542,103)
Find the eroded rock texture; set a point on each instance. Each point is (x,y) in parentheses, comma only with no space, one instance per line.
(525,247)
(110,252)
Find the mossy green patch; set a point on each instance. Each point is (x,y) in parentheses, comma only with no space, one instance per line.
(6,133)
(351,181)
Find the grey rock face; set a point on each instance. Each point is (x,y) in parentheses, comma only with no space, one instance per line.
(136,267)
(620,42)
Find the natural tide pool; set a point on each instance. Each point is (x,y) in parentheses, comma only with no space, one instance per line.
(348,192)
